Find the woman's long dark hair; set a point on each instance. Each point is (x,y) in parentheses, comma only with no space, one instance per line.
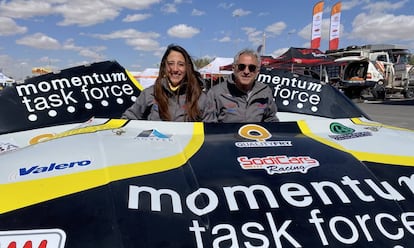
(192,90)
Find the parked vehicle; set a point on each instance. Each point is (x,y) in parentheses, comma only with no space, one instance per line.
(390,60)
(395,70)
(354,74)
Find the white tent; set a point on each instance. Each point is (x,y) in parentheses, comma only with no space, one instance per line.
(5,81)
(147,77)
(212,70)
(214,66)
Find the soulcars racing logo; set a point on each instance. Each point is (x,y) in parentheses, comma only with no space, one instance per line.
(45,238)
(275,164)
(279,164)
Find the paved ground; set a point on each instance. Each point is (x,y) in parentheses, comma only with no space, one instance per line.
(397,112)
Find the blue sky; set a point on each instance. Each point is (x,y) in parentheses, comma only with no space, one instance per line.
(64,33)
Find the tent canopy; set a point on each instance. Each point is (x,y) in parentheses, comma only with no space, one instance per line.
(214,66)
(302,56)
(147,77)
(4,79)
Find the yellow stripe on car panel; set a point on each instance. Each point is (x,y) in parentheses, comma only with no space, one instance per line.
(363,156)
(358,121)
(23,194)
(136,83)
(306,131)
(110,124)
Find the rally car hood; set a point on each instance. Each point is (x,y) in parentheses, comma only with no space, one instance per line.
(84,181)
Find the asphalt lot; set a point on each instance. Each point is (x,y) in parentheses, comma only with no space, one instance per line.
(396,112)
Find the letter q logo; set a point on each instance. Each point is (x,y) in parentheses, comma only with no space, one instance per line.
(254,132)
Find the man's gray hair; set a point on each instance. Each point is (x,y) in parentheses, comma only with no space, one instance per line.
(248,52)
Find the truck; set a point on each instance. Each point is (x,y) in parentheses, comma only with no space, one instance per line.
(391,61)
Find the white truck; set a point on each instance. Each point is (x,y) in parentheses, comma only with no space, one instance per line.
(388,61)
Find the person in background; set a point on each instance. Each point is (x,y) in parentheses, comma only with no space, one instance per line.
(176,94)
(241,98)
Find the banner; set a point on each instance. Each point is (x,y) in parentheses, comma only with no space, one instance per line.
(102,89)
(335,26)
(317,25)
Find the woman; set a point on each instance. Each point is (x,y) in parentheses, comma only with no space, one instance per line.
(176,94)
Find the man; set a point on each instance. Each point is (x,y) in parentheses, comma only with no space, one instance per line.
(241,98)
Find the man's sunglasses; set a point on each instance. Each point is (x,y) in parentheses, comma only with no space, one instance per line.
(241,67)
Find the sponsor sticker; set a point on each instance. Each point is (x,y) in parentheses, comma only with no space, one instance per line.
(343,132)
(5,147)
(260,135)
(45,238)
(36,169)
(279,164)
(153,135)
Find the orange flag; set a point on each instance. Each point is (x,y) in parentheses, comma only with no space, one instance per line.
(317,25)
(335,26)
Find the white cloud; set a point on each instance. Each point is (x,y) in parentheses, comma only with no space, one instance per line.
(383,6)
(89,53)
(40,41)
(86,13)
(383,28)
(169,8)
(70,45)
(136,17)
(197,12)
(225,39)
(93,52)
(182,1)
(348,5)
(276,28)
(182,31)
(18,69)
(127,34)
(240,12)
(48,60)
(74,12)
(226,5)
(25,9)
(9,27)
(143,44)
(136,5)
(138,40)
(253,35)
